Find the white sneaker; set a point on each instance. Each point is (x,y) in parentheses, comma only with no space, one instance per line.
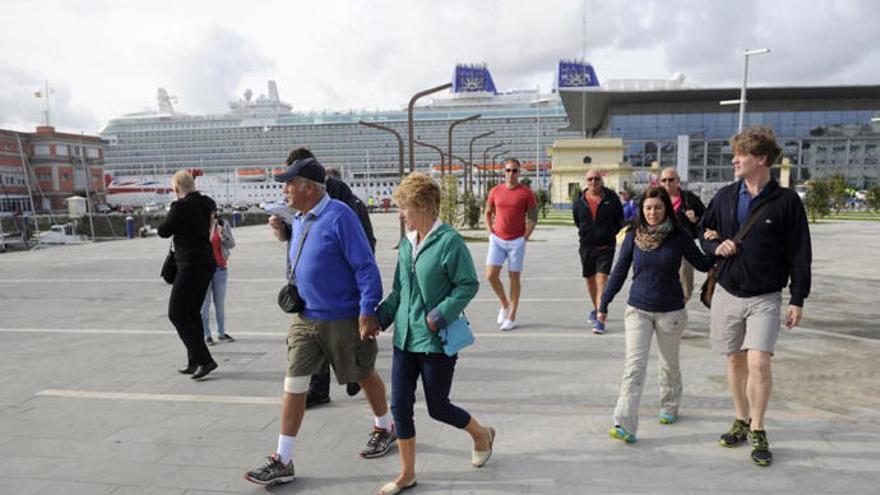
(502,315)
(508,325)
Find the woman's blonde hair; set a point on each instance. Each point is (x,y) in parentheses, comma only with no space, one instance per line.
(419,191)
(184,181)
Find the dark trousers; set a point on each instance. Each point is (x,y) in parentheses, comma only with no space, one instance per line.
(436,371)
(185,311)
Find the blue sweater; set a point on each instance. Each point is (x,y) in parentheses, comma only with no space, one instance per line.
(656,286)
(336,276)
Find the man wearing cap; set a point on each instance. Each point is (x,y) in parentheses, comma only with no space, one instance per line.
(338,280)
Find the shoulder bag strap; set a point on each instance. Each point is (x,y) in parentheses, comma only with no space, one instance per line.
(744,229)
(299,247)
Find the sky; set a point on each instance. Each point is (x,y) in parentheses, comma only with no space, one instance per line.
(106,58)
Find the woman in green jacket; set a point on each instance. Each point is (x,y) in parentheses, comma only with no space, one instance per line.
(433,282)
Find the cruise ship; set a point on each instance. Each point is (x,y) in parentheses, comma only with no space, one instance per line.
(238,150)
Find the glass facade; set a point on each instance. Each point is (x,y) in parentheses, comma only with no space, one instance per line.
(817,143)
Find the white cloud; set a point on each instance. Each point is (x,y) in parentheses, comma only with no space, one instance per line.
(107,58)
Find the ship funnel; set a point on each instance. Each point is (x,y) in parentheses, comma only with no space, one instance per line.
(165,105)
(273,91)
(473,78)
(575,74)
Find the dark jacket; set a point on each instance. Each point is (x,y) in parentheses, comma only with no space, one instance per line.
(189,221)
(690,201)
(656,286)
(337,189)
(609,220)
(776,248)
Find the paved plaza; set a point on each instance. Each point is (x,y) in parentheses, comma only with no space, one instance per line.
(90,402)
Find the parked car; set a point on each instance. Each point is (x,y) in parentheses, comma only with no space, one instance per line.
(103,208)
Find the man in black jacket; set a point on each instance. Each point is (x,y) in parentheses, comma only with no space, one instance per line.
(747,303)
(598,216)
(319,388)
(688,210)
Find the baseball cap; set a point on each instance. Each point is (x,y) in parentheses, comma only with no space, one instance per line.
(307,168)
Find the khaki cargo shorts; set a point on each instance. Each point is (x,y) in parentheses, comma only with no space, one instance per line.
(312,344)
(742,323)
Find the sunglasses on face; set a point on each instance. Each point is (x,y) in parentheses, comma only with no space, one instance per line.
(591,179)
(511,170)
(668,179)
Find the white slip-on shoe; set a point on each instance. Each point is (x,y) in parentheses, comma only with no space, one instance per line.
(508,325)
(502,315)
(393,488)
(479,458)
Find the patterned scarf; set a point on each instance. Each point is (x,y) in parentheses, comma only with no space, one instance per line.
(650,238)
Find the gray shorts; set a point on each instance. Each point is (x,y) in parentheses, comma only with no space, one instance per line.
(742,323)
(313,344)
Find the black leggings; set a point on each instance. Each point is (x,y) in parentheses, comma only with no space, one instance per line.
(185,311)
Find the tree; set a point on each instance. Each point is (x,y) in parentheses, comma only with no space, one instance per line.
(872,198)
(543,199)
(837,191)
(471,210)
(818,200)
(449,200)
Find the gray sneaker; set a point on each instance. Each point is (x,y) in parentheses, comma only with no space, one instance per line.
(380,443)
(271,473)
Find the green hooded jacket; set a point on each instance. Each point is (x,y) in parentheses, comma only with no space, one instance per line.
(444,281)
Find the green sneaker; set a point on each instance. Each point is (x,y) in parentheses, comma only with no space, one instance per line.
(620,433)
(736,434)
(761,454)
(667,418)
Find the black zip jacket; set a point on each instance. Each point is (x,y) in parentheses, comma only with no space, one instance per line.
(189,221)
(609,220)
(777,246)
(690,201)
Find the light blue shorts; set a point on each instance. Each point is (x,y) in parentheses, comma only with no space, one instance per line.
(514,251)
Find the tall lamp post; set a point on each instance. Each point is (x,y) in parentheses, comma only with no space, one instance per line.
(410,124)
(400,155)
(742,91)
(496,155)
(435,148)
(538,101)
(451,127)
(482,175)
(468,174)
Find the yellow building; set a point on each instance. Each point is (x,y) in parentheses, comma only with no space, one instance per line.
(571,158)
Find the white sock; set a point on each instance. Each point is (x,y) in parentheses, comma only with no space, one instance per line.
(384,422)
(285,448)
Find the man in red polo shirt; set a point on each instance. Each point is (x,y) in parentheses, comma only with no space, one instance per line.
(511,217)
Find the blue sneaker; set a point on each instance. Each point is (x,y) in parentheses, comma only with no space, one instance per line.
(620,433)
(667,418)
(593,316)
(599,328)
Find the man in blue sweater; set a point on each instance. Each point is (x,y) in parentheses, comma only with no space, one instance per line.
(338,279)
(747,303)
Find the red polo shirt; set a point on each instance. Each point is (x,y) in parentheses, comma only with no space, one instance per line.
(511,207)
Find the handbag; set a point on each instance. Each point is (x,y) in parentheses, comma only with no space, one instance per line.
(169,267)
(456,336)
(289,299)
(708,288)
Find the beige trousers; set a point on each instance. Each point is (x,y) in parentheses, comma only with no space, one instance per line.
(641,326)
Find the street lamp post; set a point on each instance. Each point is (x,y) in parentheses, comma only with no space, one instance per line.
(482,175)
(410,124)
(435,148)
(468,175)
(400,155)
(496,155)
(742,90)
(451,127)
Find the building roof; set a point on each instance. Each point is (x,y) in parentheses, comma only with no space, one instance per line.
(597,102)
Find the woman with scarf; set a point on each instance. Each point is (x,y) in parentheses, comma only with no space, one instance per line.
(654,247)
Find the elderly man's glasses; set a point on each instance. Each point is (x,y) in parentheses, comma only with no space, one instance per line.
(668,179)
(591,179)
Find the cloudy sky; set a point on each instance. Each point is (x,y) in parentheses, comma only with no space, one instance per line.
(105,58)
